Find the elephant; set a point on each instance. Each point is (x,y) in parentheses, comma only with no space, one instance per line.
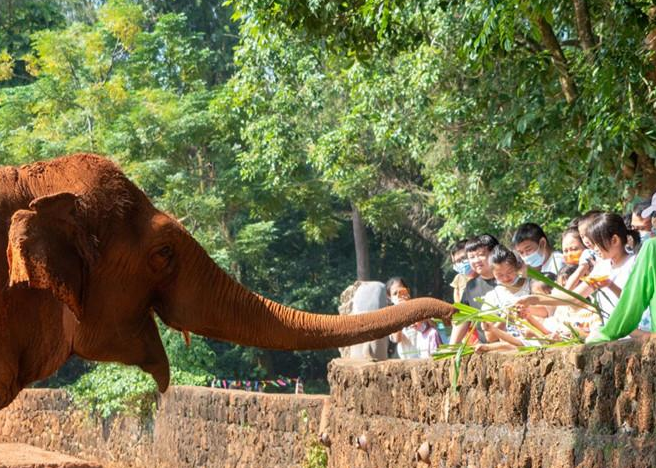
(91,262)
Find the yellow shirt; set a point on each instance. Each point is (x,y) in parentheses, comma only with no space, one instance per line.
(458,284)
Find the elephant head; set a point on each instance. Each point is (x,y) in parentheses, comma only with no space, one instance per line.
(88,251)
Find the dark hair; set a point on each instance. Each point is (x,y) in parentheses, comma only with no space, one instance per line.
(502,254)
(484,240)
(639,207)
(605,226)
(572,231)
(529,231)
(457,247)
(393,280)
(566,271)
(588,217)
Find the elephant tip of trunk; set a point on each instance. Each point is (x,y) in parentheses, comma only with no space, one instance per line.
(436,308)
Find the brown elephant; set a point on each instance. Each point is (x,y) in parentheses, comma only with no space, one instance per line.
(90,261)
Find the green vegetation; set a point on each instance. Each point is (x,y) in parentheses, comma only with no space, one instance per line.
(316,456)
(275,130)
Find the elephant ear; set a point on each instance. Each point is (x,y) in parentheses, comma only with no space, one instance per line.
(49,248)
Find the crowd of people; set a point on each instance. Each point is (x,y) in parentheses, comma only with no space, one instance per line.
(600,287)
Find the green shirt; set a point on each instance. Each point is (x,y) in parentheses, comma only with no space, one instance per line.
(638,293)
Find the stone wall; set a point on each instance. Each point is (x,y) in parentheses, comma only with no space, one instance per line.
(193,427)
(578,407)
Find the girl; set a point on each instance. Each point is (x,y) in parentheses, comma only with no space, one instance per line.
(406,339)
(506,268)
(573,249)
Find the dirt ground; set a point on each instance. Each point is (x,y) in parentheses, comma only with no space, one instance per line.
(27,456)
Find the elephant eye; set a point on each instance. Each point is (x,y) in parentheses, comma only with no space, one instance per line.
(166,251)
(161,258)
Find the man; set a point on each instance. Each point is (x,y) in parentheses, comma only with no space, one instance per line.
(463,269)
(532,245)
(478,251)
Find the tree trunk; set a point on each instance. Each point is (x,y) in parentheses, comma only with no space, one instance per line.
(584,27)
(361,246)
(560,62)
(646,173)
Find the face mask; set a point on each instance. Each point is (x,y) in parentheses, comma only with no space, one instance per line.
(395,300)
(572,258)
(535,260)
(463,267)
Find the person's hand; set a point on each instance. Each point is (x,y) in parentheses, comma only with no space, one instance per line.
(597,282)
(481,348)
(526,301)
(524,312)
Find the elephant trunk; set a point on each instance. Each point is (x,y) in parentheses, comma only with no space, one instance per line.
(220,308)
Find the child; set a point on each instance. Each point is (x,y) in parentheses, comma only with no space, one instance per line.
(531,243)
(463,269)
(406,339)
(582,320)
(573,249)
(428,339)
(478,250)
(506,269)
(610,237)
(538,287)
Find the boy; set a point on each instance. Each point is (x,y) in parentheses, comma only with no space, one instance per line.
(463,269)
(478,250)
(531,243)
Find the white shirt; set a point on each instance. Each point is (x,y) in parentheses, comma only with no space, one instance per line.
(554,263)
(618,274)
(407,347)
(502,296)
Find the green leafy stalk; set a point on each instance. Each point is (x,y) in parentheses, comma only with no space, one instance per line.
(538,276)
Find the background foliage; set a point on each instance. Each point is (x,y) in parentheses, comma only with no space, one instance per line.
(265,126)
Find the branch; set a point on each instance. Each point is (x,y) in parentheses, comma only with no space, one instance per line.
(584,27)
(558,57)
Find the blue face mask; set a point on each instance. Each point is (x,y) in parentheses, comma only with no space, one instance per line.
(535,260)
(463,268)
